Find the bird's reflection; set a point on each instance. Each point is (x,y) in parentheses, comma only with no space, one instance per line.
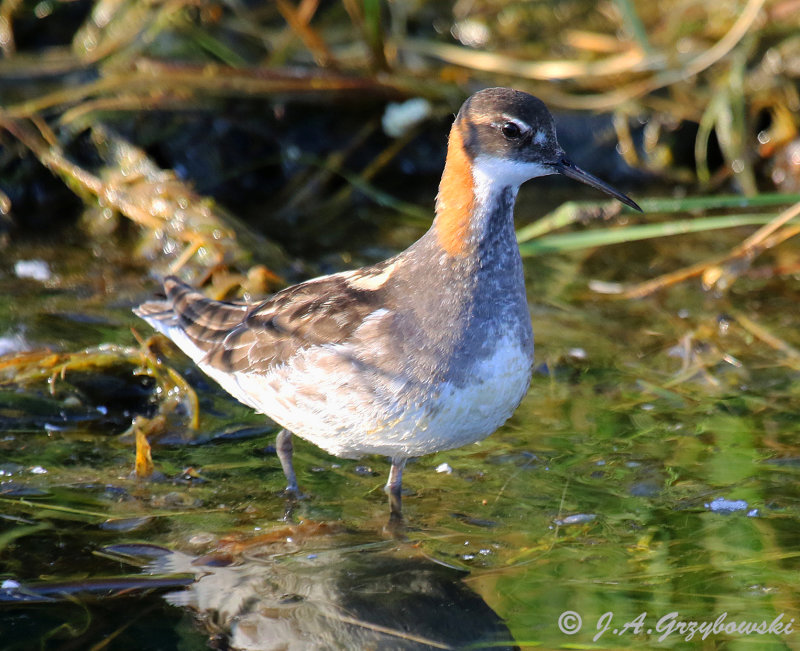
(345,593)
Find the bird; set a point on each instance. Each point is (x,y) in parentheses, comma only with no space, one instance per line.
(429,350)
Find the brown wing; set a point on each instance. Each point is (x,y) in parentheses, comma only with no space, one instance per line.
(239,337)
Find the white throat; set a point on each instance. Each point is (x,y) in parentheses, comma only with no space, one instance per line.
(492,174)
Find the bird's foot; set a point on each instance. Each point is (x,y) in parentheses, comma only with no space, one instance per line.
(292,492)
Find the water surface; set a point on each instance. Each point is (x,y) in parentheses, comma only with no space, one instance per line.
(651,473)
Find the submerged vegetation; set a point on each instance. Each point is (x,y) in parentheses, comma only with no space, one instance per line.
(246,145)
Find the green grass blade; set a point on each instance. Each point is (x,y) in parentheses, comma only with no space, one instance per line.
(634,23)
(606,236)
(571,211)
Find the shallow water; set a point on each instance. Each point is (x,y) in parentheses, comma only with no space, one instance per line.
(651,470)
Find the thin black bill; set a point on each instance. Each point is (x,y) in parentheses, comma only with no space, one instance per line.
(570,169)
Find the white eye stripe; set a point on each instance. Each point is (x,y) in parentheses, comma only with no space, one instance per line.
(524,127)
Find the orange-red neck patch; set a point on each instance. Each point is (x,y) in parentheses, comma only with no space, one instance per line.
(455,201)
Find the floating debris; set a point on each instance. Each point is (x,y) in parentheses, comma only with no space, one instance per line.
(578,518)
(125,524)
(144,467)
(577,353)
(9,469)
(721,505)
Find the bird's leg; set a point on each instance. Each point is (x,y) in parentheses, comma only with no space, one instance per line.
(283,446)
(394,488)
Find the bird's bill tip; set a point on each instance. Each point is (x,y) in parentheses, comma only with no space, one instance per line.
(571,170)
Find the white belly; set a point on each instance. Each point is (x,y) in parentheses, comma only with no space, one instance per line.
(347,420)
(346,415)
(469,413)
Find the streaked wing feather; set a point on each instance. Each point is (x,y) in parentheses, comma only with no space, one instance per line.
(253,338)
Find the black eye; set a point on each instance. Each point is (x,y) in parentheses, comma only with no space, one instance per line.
(511,130)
